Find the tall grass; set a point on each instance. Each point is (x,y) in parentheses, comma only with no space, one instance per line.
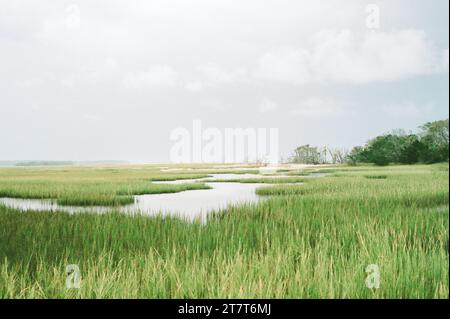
(91,186)
(308,241)
(261,180)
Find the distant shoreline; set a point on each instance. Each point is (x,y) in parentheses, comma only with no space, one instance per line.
(56,163)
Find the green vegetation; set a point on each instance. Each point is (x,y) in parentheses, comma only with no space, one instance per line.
(305,241)
(430,145)
(261,180)
(307,154)
(198,175)
(376,176)
(91,186)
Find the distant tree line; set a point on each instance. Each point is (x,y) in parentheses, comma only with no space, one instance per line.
(307,154)
(45,163)
(429,145)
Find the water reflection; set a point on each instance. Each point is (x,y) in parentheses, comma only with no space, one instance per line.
(188,204)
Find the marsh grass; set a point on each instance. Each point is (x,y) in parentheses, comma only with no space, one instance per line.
(91,186)
(305,241)
(262,180)
(376,176)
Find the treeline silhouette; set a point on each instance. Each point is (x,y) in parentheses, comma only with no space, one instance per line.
(429,145)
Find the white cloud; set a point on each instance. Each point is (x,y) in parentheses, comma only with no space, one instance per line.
(267,106)
(212,75)
(216,74)
(445,60)
(407,109)
(345,56)
(100,72)
(230,54)
(156,76)
(215,104)
(286,64)
(36,107)
(93,73)
(91,117)
(320,107)
(30,82)
(194,86)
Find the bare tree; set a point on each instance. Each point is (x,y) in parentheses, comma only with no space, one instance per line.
(338,156)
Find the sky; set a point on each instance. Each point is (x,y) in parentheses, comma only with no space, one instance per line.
(111,79)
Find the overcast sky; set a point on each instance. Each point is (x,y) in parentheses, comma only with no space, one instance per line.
(95,80)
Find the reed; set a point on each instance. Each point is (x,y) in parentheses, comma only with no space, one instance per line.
(305,241)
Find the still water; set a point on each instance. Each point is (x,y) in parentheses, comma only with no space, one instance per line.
(189,205)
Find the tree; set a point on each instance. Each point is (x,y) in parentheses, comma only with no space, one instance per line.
(384,149)
(411,149)
(396,147)
(435,138)
(431,145)
(356,156)
(307,154)
(338,156)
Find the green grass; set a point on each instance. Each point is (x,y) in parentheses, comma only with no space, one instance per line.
(91,186)
(305,241)
(262,180)
(376,176)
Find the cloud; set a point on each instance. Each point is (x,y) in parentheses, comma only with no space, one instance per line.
(30,82)
(205,58)
(216,74)
(320,107)
(215,104)
(286,64)
(211,75)
(194,86)
(36,107)
(267,106)
(445,60)
(156,76)
(407,109)
(91,117)
(344,56)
